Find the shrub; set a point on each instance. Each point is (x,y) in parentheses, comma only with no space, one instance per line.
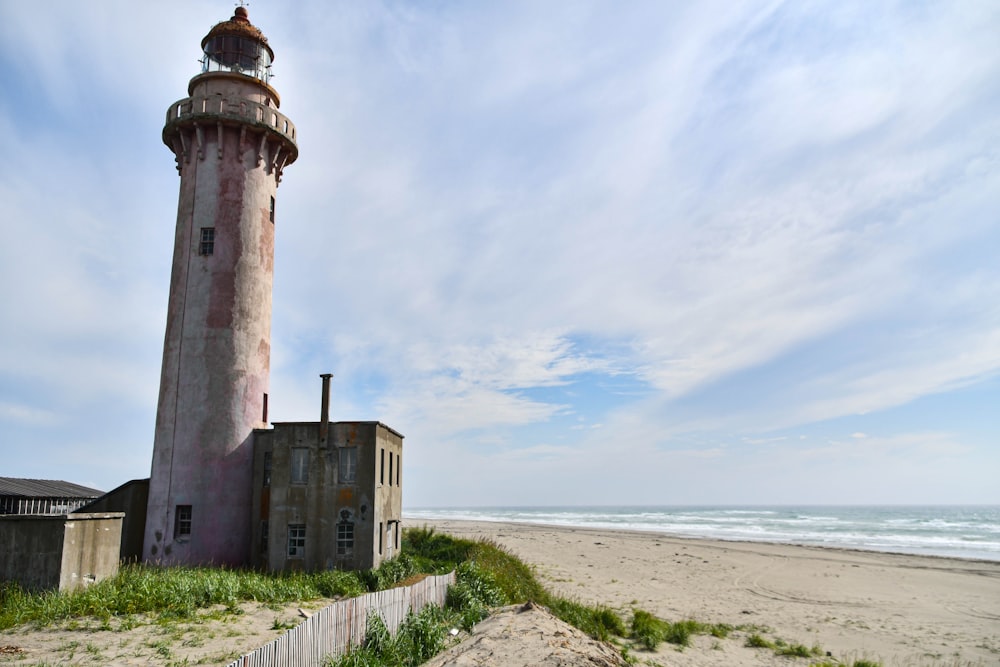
(756,641)
(599,622)
(646,629)
(795,651)
(473,595)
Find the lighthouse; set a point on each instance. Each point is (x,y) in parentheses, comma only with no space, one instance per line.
(231,145)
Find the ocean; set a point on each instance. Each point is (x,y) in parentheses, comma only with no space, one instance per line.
(971,532)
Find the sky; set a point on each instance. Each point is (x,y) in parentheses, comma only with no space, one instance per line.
(577,253)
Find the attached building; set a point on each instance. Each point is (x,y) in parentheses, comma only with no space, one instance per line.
(326,495)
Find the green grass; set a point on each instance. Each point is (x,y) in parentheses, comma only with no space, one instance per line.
(757,641)
(178,592)
(649,631)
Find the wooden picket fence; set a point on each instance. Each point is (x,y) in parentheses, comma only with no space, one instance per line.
(334,629)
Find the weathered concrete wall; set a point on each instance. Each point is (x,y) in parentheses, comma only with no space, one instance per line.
(64,552)
(31,550)
(369,503)
(388,484)
(131,498)
(91,546)
(216,358)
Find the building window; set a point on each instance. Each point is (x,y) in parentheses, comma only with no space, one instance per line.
(207,246)
(399,466)
(267,468)
(347,471)
(264,411)
(300,465)
(379,538)
(345,538)
(296,540)
(381,466)
(182,521)
(271,212)
(390,468)
(263,536)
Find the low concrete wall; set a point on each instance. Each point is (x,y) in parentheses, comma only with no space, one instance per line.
(90,548)
(64,552)
(31,549)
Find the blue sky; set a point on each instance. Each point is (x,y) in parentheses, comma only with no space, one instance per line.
(577,253)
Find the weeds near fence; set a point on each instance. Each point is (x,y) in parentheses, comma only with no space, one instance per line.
(178,592)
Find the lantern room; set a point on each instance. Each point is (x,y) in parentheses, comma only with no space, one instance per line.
(239,47)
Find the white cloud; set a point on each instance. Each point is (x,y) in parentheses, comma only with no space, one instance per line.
(762,216)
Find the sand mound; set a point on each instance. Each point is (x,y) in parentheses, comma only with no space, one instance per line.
(528,635)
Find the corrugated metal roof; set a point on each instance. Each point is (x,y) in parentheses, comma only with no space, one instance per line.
(45,488)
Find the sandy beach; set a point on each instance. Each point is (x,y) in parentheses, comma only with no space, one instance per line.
(898,609)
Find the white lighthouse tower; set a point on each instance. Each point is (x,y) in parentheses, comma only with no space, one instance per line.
(231,144)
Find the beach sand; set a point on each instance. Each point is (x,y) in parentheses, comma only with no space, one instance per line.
(898,609)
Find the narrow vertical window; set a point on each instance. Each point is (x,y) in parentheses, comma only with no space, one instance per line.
(300,465)
(207,245)
(347,471)
(271,212)
(390,468)
(379,538)
(182,521)
(399,466)
(381,466)
(264,416)
(296,540)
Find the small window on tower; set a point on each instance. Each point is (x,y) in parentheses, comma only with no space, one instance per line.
(182,521)
(264,416)
(207,246)
(271,214)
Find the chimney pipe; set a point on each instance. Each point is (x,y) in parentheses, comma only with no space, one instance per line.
(324,410)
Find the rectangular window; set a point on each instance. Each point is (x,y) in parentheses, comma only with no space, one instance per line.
(296,540)
(182,521)
(267,468)
(399,466)
(271,213)
(345,538)
(381,466)
(300,465)
(396,529)
(263,537)
(379,538)
(264,417)
(207,246)
(347,472)
(390,468)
